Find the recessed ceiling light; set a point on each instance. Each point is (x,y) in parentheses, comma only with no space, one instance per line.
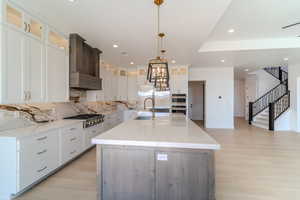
(231,30)
(115,46)
(223,61)
(246,70)
(132,63)
(173,61)
(286,59)
(72,1)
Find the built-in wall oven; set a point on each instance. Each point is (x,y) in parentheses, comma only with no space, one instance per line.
(179,103)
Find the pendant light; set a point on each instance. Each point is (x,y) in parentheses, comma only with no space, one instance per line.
(158,70)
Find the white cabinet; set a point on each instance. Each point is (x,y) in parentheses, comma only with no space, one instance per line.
(179,79)
(33,69)
(17,19)
(13,66)
(57,75)
(38,157)
(34,27)
(110,77)
(92,132)
(26,160)
(122,85)
(23,68)
(71,142)
(12,16)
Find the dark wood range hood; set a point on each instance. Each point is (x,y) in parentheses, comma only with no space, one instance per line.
(84,65)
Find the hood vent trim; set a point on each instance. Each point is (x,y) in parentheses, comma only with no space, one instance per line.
(84,65)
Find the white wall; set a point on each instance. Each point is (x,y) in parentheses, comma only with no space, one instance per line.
(251,92)
(294,87)
(266,82)
(219,113)
(239,98)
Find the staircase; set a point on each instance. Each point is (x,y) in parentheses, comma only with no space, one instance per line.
(269,107)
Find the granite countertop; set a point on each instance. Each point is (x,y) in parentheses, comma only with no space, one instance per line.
(38,128)
(166,130)
(44,127)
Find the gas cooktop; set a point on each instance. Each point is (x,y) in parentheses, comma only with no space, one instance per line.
(89,119)
(85,116)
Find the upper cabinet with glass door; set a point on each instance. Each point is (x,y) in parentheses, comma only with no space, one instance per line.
(57,40)
(13,17)
(18,19)
(34,27)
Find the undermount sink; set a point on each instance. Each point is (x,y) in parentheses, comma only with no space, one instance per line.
(143,118)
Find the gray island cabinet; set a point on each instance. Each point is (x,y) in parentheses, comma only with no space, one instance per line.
(169,158)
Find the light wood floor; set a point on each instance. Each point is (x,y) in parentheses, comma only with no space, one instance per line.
(254,164)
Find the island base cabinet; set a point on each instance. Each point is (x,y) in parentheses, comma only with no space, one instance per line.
(142,173)
(128,174)
(184,176)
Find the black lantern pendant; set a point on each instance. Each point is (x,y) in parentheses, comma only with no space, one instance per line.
(158,74)
(158,70)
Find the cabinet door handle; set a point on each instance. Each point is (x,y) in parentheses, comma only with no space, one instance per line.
(42,138)
(72,139)
(29,95)
(42,152)
(25,28)
(73,152)
(25,95)
(29,28)
(94,131)
(40,170)
(72,129)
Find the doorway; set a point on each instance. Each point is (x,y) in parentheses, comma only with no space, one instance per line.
(196,100)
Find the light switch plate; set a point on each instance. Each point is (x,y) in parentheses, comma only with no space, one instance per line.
(162,157)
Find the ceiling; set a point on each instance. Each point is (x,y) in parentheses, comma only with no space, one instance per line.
(189,26)
(258,19)
(132,25)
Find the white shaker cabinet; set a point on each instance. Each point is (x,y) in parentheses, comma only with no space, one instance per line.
(38,156)
(22,67)
(32,70)
(35,70)
(122,85)
(179,79)
(12,66)
(57,75)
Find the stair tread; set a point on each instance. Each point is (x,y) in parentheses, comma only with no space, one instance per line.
(260,126)
(262,122)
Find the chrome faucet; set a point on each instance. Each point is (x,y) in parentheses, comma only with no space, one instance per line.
(153,103)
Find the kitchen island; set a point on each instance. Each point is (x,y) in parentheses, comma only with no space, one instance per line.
(167,158)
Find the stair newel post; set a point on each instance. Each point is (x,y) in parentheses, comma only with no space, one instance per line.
(250,112)
(271,116)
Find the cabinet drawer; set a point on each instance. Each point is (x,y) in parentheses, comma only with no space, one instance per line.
(31,146)
(38,156)
(71,142)
(91,133)
(74,128)
(71,150)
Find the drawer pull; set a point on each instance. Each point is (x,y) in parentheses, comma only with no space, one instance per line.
(73,152)
(42,169)
(42,138)
(42,152)
(72,139)
(72,129)
(94,131)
